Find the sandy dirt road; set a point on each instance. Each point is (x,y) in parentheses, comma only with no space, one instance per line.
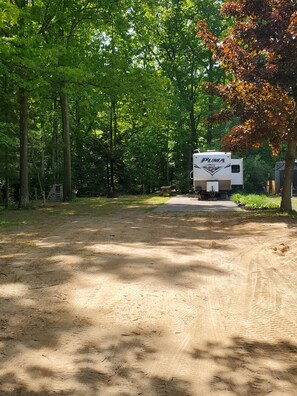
(152,304)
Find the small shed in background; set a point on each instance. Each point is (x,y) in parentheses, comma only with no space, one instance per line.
(279,176)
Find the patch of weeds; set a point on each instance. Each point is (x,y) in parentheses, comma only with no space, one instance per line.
(256,201)
(13,218)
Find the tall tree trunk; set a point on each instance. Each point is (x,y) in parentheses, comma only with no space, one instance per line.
(209,133)
(107,178)
(42,153)
(112,142)
(115,135)
(286,201)
(6,190)
(193,127)
(67,187)
(55,157)
(78,169)
(110,159)
(24,186)
(167,160)
(192,142)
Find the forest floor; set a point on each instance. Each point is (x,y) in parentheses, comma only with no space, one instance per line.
(155,304)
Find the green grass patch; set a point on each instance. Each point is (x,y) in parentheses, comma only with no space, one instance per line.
(93,207)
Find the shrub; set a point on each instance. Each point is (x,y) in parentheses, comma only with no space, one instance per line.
(254,201)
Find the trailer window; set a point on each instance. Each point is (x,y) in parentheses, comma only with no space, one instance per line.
(235,168)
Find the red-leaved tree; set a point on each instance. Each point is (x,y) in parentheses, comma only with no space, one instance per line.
(259,53)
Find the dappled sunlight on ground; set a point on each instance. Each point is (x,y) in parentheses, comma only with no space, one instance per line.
(140,303)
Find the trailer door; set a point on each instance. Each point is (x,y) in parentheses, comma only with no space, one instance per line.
(237,173)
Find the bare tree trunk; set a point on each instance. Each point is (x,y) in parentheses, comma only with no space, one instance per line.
(24,186)
(55,156)
(79,150)
(209,134)
(192,143)
(42,170)
(193,126)
(111,149)
(67,187)
(286,202)
(6,190)
(112,145)
(167,161)
(107,178)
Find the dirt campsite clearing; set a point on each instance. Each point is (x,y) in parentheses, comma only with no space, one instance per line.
(138,302)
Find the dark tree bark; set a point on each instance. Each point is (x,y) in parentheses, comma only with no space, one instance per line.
(67,186)
(112,146)
(209,134)
(24,186)
(192,141)
(286,202)
(111,150)
(55,156)
(6,189)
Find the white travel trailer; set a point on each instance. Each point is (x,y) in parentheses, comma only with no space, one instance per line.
(216,174)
